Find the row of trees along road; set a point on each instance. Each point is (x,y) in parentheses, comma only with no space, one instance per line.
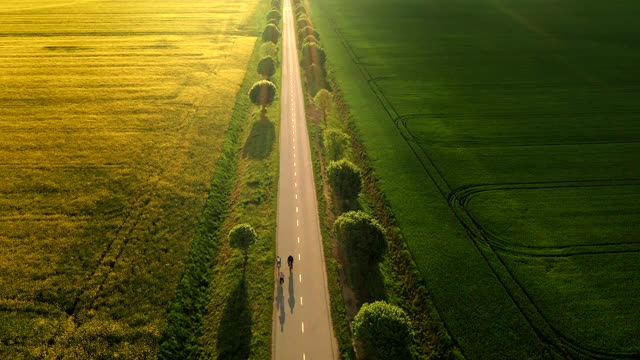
(382,331)
(263,92)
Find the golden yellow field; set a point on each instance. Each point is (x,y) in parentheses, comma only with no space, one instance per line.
(111,115)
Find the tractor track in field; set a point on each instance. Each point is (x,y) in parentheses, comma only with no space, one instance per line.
(482,239)
(460,200)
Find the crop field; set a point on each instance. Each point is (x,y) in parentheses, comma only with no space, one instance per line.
(111,117)
(506,136)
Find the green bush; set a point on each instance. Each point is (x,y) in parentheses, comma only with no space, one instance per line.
(384,331)
(309,39)
(303,22)
(271,33)
(275,4)
(362,238)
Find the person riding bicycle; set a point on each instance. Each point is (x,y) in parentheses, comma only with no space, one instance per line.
(290,262)
(281,278)
(278,261)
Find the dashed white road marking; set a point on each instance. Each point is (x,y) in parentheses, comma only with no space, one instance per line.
(296,196)
(296,209)
(297,222)
(304,357)
(302,326)
(295,173)
(295,184)
(300,300)
(298,239)
(300,275)
(298,257)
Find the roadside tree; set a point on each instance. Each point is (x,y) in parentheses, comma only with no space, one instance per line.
(384,332)
(267,67)
(362,238)
(271,33)
(262,93)
(345,179)
(323,101)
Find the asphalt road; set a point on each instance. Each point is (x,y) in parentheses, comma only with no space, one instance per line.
(301,314)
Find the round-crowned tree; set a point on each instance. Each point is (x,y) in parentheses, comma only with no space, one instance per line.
(384,331)
(362,237)
(275,4)
(271,33)
(274,15)
(262,93)
(242,236)
(267,67)
(345,179)
(335,143)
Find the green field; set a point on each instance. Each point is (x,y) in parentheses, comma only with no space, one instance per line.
(505,134)
(112,115)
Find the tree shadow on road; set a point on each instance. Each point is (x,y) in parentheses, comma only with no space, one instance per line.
(281,309)
(234,335)
(260,140)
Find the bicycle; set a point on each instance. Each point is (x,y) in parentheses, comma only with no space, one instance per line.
(278,262)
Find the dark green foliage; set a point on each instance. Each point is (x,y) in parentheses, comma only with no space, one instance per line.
(345,179)
(544,134)
(271,33)
(242,236)
(335,143)
(262,93)
(300,9)
(274,15)
(267,66)
(362,237)
(275,4)
(303,22)
(384,331)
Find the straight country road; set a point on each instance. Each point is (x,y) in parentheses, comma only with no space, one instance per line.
(302,327)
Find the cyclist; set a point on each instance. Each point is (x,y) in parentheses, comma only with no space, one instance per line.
(290,262)
(278,262)
(281,278)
